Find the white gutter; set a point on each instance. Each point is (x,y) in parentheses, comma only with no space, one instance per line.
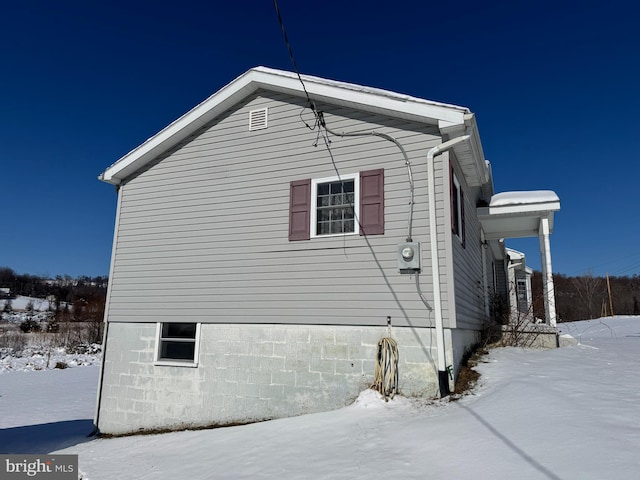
(443,374)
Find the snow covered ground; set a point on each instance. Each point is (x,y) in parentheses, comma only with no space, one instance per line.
(571,413)
(21,303)
(39,358)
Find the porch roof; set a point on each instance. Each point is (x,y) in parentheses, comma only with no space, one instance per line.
(518,214)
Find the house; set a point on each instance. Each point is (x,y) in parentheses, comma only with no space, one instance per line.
(270,237)
(519,275)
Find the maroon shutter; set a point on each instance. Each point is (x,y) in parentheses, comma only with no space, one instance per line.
(453,200)
(463,235)
(457,196)
(372,202)
(299,209)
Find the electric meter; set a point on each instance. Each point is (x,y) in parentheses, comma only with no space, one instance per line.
(409,257)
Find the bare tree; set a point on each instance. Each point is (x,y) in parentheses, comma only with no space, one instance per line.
(588,288)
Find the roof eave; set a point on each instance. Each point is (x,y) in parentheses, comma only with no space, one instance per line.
(470,154)
(515,221)
(364,98)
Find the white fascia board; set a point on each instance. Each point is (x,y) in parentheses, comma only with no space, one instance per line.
(426,109)
(509,234)
(364,98)
(541,209)
(392,106)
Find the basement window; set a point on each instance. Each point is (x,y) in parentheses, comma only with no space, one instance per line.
(178,344)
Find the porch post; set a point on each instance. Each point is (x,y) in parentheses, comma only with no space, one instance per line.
(547,272)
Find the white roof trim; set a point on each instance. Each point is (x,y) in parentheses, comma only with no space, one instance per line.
(364,98)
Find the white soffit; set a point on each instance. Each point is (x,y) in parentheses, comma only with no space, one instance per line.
(329,91)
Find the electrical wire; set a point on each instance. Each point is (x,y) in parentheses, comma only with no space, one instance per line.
(627,269)
(389,138)
(293,61)
(386,370)
(422,297)
(320,121)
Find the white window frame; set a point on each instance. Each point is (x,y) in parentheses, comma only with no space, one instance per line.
(459,226)
(176,362)
(314,204)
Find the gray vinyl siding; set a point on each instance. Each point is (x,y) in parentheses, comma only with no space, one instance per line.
(203,231)
(467,263)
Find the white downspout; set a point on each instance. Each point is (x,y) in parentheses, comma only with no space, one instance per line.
(443,374)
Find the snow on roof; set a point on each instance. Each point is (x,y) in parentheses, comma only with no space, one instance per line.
(356,96)
(515,254)
(523,198)
(359,88)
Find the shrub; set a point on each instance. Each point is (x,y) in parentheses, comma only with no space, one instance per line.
(53,326)
(13,341)
(8,308)
(30,325)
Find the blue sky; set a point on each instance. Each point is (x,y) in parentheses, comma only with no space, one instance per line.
(554,86)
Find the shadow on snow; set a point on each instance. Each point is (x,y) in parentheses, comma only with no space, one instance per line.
(46,437)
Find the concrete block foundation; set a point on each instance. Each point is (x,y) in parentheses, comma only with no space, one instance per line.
(248,373)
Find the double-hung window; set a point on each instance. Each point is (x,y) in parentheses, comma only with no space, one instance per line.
(334,202)
(351,204)
(521,291)
(178,343)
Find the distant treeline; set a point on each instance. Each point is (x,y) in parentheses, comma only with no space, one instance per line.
(65,288)
(577,298)
(587,296)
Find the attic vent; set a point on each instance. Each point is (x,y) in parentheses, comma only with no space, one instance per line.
(258,119)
